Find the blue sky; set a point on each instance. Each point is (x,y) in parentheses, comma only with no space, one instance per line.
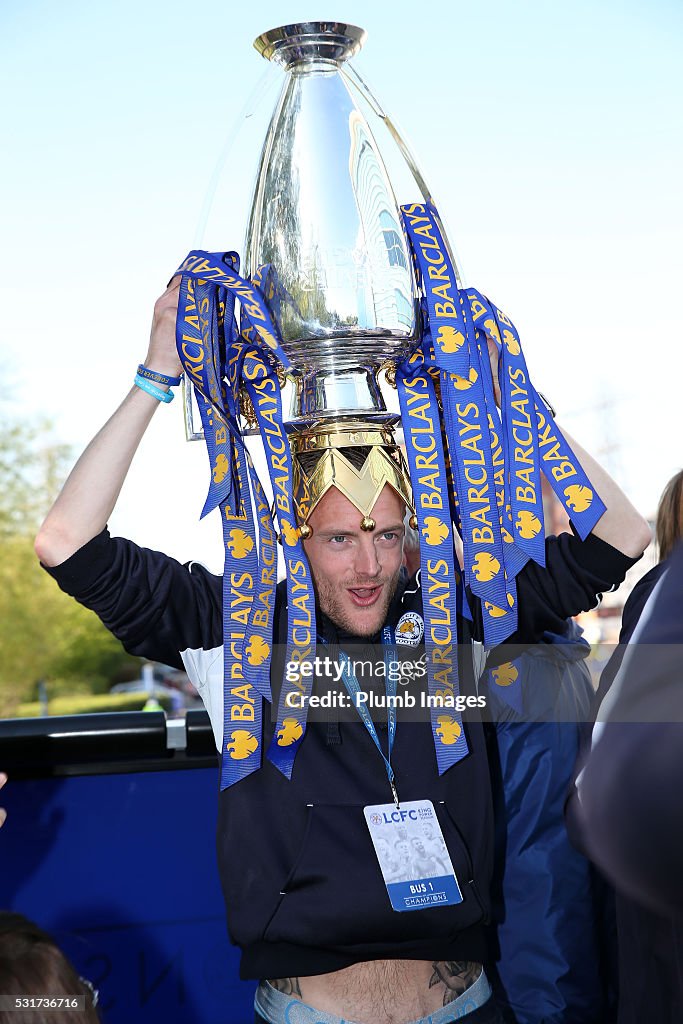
(550,135)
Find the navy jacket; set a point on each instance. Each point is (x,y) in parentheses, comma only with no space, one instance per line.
(620,813)
(546,906)
(631,789)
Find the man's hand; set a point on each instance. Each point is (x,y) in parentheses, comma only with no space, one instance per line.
(3,812)
(162,354)
(89,495)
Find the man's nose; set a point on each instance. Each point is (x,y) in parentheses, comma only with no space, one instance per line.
(367,563)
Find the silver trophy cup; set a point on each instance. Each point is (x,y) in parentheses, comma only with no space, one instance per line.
(324,238)
(325,221)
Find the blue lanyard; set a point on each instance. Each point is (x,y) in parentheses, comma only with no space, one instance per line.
(353,689)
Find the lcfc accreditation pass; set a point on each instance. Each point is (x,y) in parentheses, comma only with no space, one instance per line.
(412,855)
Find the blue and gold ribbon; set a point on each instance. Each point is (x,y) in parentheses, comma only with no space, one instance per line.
(265,393)
(495,460)
(485,478)
(565,473)
(440,579)
(466,418)
(217,360)
(201,342)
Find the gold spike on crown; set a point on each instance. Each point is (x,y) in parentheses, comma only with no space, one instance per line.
(356,457)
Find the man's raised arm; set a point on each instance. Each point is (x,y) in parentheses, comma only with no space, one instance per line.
(621,525)
(90,493)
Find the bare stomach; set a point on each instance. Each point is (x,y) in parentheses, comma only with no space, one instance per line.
(384,991)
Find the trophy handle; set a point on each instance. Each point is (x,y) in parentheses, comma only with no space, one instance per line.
(188,414)
(350,72)
(191,434)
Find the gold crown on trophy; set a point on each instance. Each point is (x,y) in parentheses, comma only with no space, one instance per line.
(357,458)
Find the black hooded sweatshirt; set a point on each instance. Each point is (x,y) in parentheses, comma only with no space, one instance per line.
(303,889)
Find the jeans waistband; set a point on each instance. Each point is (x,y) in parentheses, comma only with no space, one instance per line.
(278,1008)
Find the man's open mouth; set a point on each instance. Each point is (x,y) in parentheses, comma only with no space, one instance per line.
(363,597)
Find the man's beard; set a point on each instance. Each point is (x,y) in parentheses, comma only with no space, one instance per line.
(332,606)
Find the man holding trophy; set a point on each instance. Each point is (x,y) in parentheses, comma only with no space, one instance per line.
(333,913)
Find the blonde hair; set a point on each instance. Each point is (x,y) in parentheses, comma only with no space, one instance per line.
(669,528)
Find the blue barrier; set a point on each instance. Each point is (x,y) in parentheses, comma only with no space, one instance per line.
(120,867)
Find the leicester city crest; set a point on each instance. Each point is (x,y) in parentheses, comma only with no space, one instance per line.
(410,629)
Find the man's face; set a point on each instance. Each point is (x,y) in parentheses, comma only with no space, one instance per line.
(402,850)
(356,571)
(383,848)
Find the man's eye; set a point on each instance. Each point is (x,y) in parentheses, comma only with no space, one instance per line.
(339,539)
(391,535)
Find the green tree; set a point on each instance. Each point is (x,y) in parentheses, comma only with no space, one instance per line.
(43,633)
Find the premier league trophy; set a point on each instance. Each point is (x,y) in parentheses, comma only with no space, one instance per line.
(340,284)
(325,218)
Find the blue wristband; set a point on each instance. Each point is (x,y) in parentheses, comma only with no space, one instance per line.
(151,389)
(157,377)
